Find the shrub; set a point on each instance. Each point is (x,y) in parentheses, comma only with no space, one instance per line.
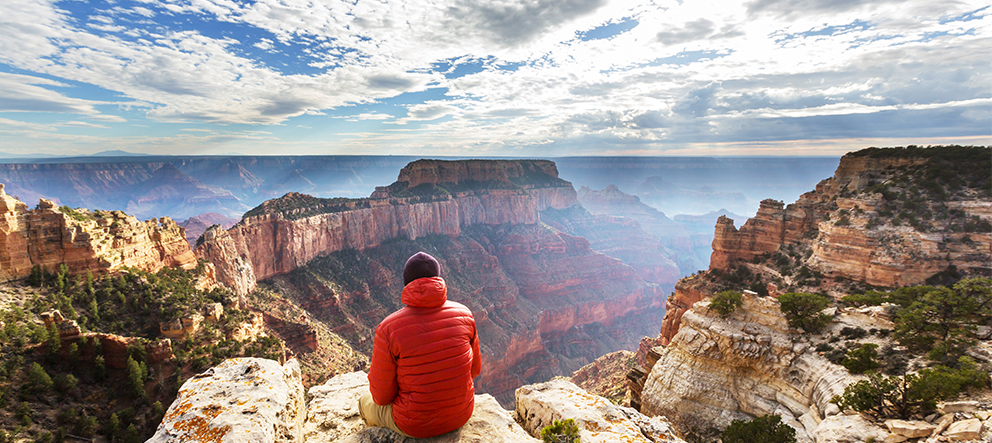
(765,429)
(38,380)
(862,360)
(902,397)
(726,302)
(803,311)
(561,431)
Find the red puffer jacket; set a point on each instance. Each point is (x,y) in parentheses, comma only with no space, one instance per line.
(424,359)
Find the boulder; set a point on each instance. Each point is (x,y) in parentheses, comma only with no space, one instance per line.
(332,416)
(239,400)
(910,428)
(846,429)
(964,430)
(598,420)
(942,424)
(952,407)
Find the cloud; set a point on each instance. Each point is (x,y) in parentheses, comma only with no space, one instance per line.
(24,93)
(694,30)
(509,23)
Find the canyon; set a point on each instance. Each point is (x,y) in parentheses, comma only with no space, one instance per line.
(545,301)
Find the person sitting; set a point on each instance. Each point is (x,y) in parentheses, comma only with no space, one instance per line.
(424,358)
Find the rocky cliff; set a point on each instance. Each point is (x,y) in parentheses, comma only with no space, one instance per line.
(251,399)
(886,218)
(96,241)
(286,233)
(749,364)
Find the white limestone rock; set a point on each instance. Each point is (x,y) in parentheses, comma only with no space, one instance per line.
(964,430)
(750,364)
(242,400)
(333,417)
(910,428)
(846,429)
(598,419)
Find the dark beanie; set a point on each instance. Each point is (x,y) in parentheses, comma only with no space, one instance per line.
(419,266)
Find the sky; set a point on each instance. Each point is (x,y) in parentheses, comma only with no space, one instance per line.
(519,78)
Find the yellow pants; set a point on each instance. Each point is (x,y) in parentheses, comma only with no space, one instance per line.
(376,415)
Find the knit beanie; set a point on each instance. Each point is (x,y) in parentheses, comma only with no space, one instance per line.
(419,266)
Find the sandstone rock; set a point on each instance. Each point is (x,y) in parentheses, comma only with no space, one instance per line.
(598,420)
(846,429)
(910,428)
(942,424)
(952,407)
(284,234)
(882,255)
(99,242)
(240,400)
(964,430)
(718,369)
(332,416)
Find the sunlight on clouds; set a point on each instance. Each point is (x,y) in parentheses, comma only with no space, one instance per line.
(523,76)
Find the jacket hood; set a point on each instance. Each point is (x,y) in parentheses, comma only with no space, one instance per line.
(428,292)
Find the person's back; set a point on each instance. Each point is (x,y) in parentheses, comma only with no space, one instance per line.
(424,359)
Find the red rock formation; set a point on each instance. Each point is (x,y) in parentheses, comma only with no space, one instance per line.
(851,239)
(99,242)
(299,337)
(277,241)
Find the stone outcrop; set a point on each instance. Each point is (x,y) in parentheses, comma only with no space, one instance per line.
(240,400)
(251,399)
(862,225)
(95,241)
(332,416)
(598,420)
(286,233)
(607,376)
(718,369)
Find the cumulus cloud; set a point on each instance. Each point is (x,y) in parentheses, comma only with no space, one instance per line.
(521,76)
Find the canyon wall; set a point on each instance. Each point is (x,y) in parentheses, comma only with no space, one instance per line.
(284,234)
(717,369)
(95,241)
(889,221)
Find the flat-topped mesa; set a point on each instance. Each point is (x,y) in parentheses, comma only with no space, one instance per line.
(95,241)
(888,217)
(431,197)
(522,173)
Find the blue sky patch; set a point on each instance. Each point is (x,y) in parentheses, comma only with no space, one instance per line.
(608,30)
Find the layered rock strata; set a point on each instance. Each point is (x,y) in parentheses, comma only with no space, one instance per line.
(284,234)
(868,223)
(95,241)
(718,369)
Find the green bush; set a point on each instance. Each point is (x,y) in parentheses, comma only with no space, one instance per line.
(862,360)
(803,311)
(38,380)
(561,431)
(904,396)
(726,302)
(764,429)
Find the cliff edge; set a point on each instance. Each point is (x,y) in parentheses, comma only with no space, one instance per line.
(97,241)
